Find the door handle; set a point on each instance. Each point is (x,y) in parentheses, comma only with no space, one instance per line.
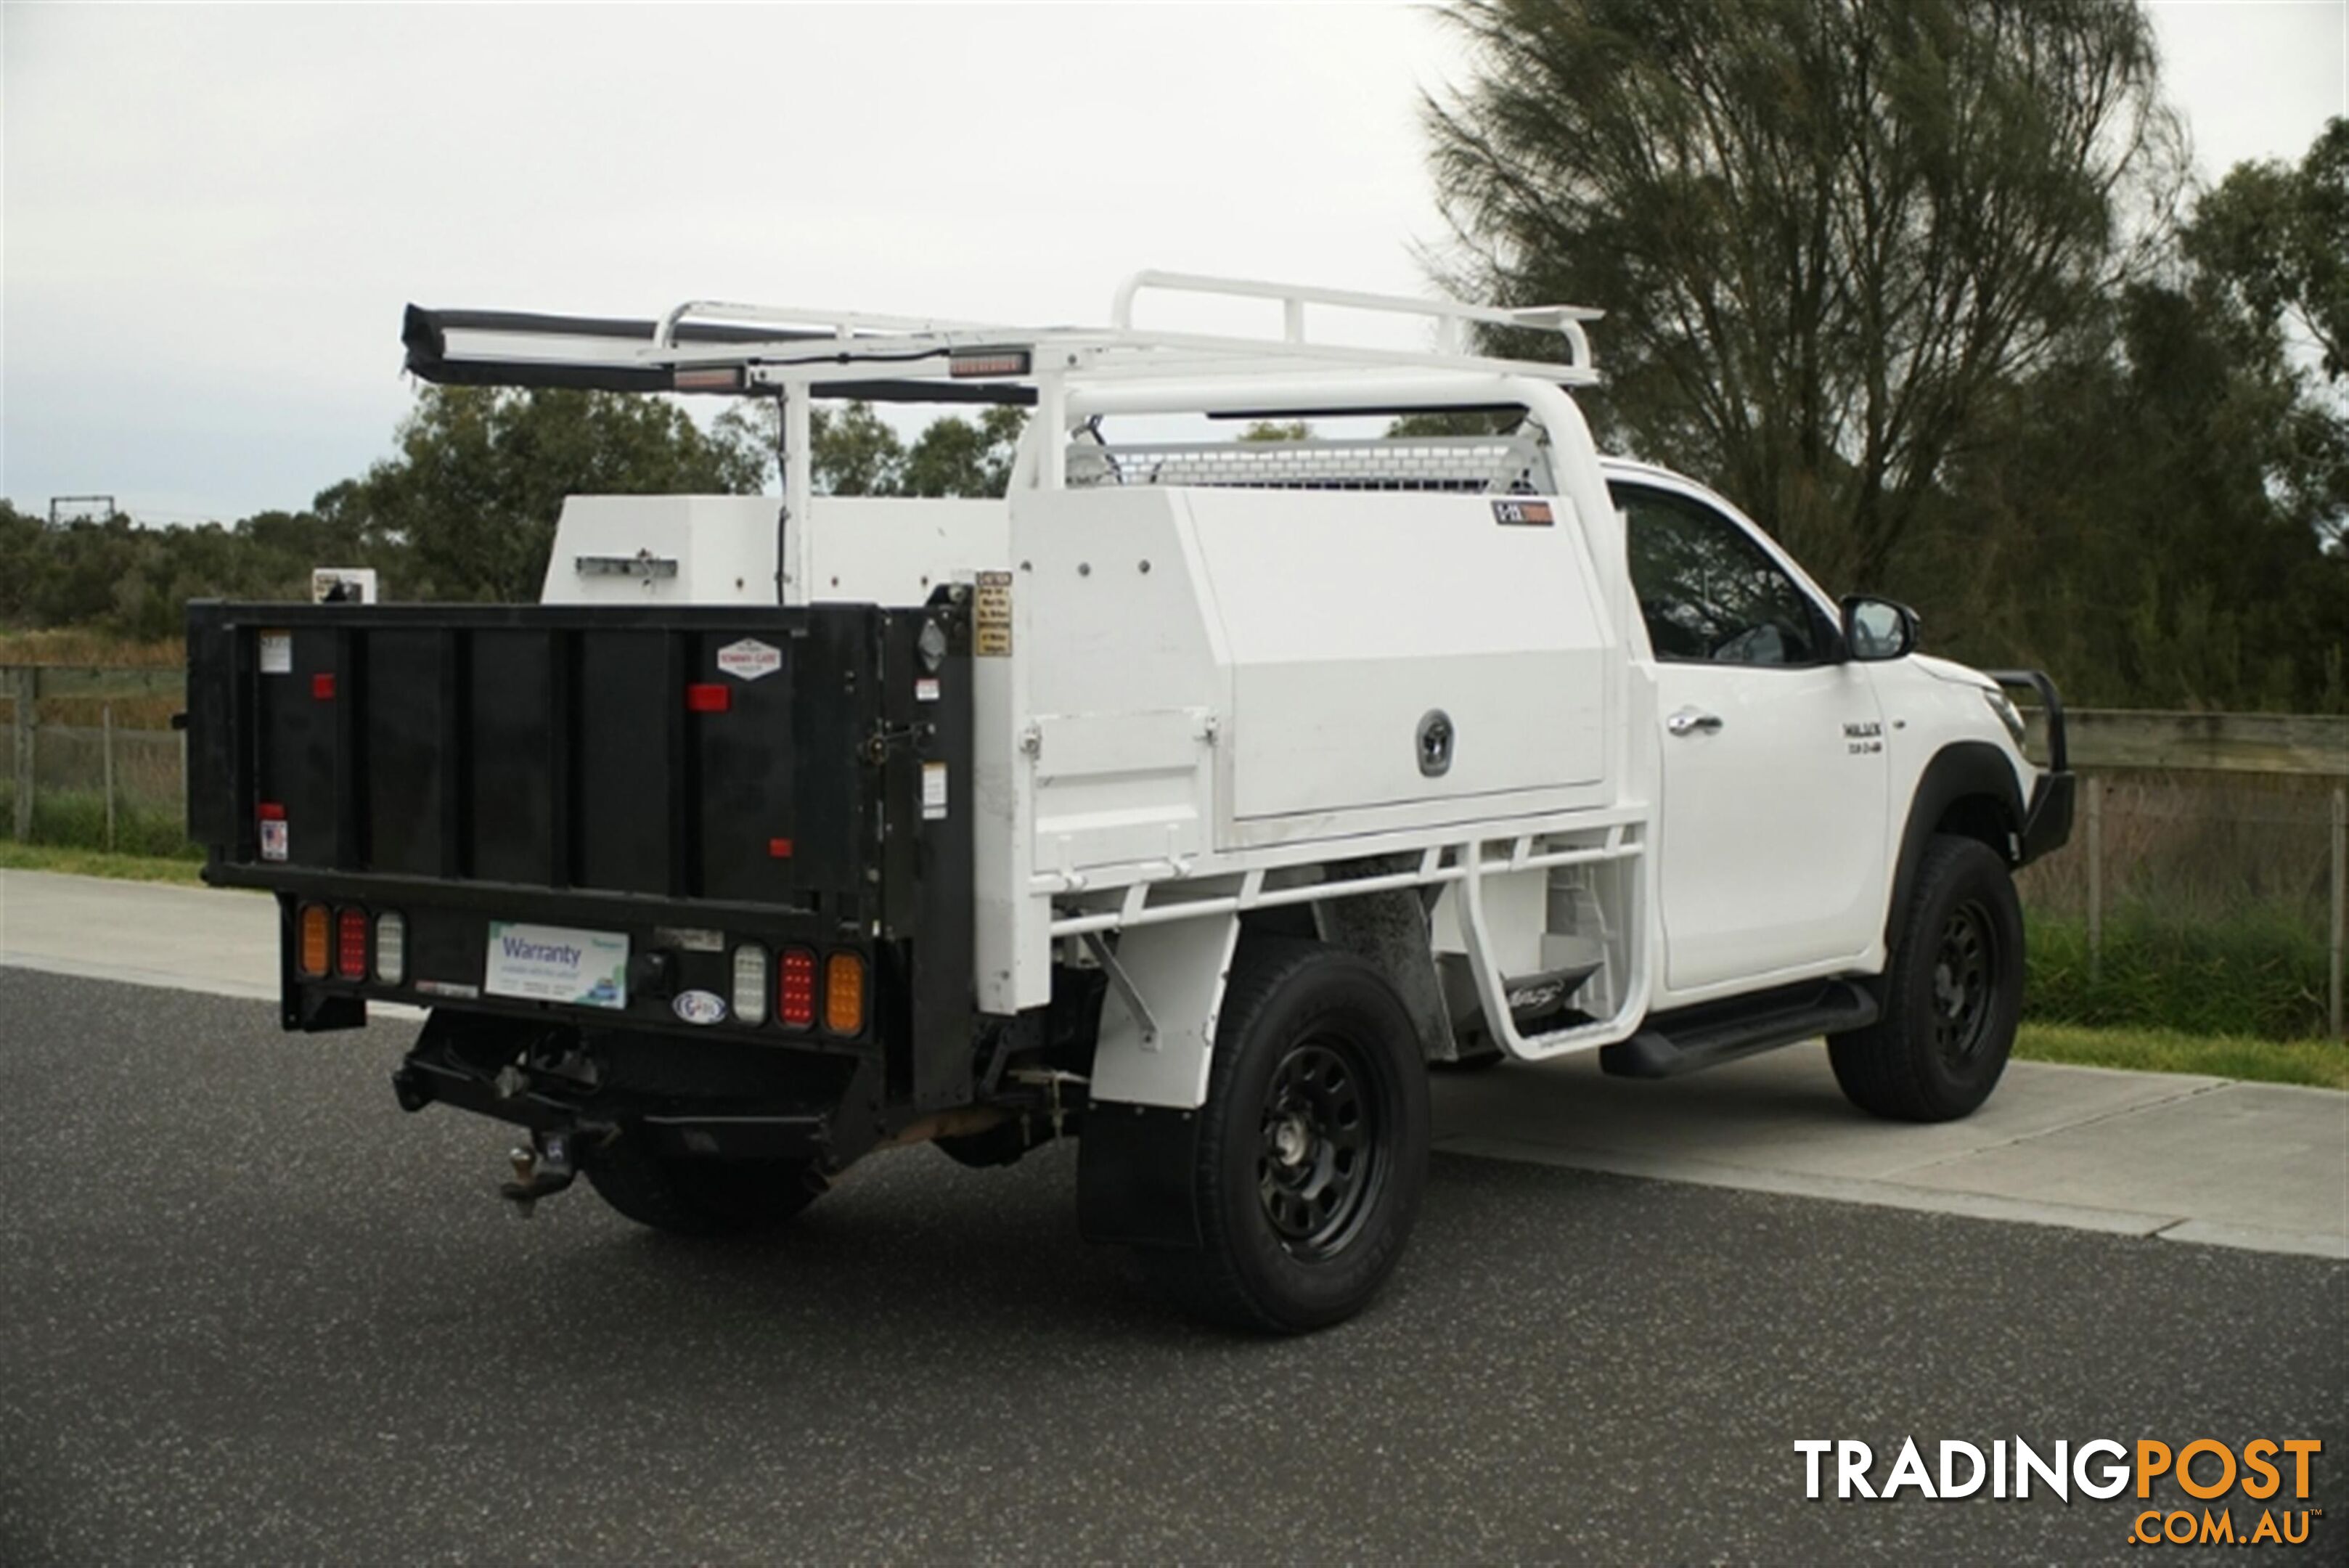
(1689,722)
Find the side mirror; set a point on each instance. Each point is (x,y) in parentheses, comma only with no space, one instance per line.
(1877,629)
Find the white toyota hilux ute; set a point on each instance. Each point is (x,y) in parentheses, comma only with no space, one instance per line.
(1193,800)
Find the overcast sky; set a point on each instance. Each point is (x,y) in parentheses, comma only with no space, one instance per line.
(214,215)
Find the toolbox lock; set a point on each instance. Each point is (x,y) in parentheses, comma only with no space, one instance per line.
(1435,736)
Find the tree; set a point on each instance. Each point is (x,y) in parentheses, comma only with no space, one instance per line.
(2277,238)
(853,452)
(955,457)
(2149,514)
(481,473)
(1826,232)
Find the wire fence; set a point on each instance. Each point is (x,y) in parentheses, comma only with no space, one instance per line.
(2203,887)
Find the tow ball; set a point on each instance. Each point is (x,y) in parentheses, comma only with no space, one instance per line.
(542,1168)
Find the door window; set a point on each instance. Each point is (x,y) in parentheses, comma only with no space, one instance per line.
(1709,594)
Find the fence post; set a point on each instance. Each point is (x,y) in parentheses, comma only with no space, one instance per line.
(106,738)
(2340,905)
(2096,877)
(27,691)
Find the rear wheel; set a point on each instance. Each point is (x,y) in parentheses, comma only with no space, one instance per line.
(1952,994)
(699,1197)
(1312,1147)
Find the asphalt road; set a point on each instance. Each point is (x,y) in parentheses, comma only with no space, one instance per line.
(250,1312)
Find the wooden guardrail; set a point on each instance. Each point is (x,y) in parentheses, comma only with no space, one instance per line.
(89,696)
(2121,739)
(2104,741)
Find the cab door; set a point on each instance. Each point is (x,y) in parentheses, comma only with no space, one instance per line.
(1774,777)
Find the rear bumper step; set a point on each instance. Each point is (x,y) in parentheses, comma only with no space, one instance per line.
(1672,1046)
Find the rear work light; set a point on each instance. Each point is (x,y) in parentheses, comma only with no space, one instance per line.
(750,983)
(795,989)
(987,362)
(311,953)
(844,994)
(390,948)
(350,944)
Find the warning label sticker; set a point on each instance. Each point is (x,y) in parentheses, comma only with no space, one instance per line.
(991,619)
(277,653)
(934,791)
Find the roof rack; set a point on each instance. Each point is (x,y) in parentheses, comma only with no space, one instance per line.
(722,346)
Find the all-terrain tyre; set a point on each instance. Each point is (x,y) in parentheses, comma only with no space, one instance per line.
(1312,1147)
(1952,992)
(698,1196)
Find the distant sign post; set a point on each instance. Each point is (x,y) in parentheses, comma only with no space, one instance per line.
(65,509)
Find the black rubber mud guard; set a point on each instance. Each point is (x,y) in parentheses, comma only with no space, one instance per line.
(1135,1169)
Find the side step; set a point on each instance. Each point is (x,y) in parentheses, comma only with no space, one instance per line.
(1671,1043)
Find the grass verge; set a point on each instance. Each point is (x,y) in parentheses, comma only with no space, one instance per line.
(77,862)
(2323,1064)
(2257,971)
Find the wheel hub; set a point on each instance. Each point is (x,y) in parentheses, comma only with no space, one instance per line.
(1317,1160)
(1292,1141)
(1964,966)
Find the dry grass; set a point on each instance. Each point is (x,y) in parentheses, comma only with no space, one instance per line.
(2323,1064)
(16,857)
(70,644)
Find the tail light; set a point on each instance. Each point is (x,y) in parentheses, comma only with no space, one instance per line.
(795,989)
(390,948)
(750,984)
(311,956)
(350,944)
(844,994)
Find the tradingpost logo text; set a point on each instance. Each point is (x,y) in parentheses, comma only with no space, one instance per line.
(2204,1469)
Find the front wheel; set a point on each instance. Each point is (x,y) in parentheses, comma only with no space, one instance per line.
(1312,1147)
(1953,993)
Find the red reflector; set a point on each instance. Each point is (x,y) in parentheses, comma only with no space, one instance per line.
(270,811)
(350,943)
(709,699)
(779,848)
(795,989)
(321,687)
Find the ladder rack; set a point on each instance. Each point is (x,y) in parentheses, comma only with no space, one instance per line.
(718,345)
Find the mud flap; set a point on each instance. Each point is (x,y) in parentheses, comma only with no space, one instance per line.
(1136,1160)
(1134,1175)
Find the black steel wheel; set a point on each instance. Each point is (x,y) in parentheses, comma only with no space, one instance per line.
(1965,966)
(1312,1147)
(1952,992)
(704,1198)
(1319,1160)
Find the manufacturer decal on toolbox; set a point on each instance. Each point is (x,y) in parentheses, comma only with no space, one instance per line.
(749,660)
